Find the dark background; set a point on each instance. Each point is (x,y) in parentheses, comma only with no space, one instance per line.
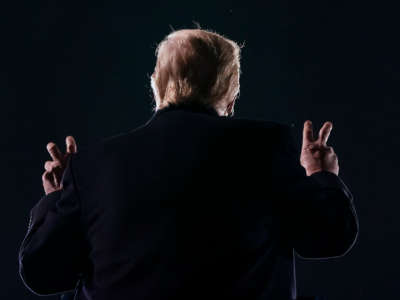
(82,69)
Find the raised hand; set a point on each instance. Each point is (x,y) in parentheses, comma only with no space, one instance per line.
(315,154)
(51,178)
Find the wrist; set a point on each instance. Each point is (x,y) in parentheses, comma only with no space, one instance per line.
(309,172)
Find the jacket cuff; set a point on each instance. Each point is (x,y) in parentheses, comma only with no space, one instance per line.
(328,179)
(47,202)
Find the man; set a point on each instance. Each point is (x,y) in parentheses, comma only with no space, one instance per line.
(194,204)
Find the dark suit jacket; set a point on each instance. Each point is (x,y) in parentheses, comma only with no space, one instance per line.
(190,205)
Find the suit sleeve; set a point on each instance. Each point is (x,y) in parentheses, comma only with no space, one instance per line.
(320,217)
(53,254)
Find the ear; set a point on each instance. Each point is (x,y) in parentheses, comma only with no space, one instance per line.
(229,108)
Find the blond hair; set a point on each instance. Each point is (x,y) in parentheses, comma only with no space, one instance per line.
(196,65)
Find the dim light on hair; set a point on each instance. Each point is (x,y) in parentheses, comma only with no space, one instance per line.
(196,65)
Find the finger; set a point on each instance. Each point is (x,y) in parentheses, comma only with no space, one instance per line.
(47,176)
(51,166)
(308,136)
(54,152)
(329,150)
(332,153)
(324,133)
(71,144)
(48,165)
(55,179)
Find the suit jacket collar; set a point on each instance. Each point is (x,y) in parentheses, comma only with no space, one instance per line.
(182,107)
(193,107)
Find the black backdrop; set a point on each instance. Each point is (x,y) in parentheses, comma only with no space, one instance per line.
(82,68)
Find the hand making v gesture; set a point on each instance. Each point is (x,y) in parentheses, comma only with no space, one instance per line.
(315,154)
(55,169)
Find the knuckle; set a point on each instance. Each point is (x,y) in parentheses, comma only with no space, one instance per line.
(48,165)
(50,145)
(310,146)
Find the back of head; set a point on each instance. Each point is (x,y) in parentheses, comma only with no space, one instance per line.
(197,66)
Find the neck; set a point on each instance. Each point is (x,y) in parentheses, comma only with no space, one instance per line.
(192,106)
